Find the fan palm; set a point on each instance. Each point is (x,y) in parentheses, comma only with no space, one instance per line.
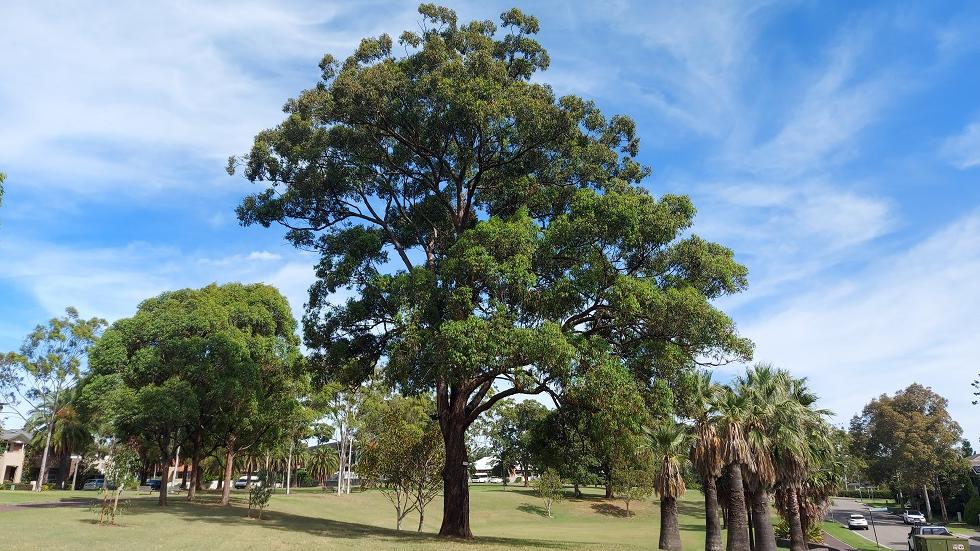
(732,411)
(323,462)
(706,454)
(670,444)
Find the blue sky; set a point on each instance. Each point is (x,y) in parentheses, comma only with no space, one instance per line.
(834,145)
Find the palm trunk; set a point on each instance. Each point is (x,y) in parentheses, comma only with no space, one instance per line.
(797,541)
(738,521)
(670,535)
(229,467)
(712,525)
(765,537)
(456,491)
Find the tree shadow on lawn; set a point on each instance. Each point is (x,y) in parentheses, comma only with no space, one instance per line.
(533,509)
(208,510)
(688,510)
(611,510)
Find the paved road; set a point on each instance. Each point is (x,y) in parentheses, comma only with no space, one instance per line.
(892,532)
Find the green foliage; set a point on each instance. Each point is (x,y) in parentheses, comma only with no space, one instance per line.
(813,534)
(512,431)
(323,462)
(971,513)
(633,477)
(550,487)
(120,471)
(258,498)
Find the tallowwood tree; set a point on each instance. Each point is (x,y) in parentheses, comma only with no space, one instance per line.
(482,228)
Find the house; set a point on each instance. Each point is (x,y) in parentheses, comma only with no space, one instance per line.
(974,463)
(12,459)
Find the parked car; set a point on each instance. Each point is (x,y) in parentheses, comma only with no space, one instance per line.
(857,522)
(911,516)
(154,484)
(242,482)
(480,479)
(97,483)
(495,480)
(931,532)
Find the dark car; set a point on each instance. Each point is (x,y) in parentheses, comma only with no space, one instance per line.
(154,484)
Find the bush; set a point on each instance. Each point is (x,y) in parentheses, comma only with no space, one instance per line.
(258,498)
(971,514)
(781,529)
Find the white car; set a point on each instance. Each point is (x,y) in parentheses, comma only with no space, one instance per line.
(495,480)
(857,522)
(480,479)
(911,516)
(243,482)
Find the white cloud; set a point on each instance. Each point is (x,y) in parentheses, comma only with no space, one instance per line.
(963,150)
(907,318)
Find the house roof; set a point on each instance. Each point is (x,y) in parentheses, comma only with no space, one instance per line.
(485,463)
(15,435)
(974,462)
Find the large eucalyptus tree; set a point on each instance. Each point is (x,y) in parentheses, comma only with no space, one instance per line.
(481,229)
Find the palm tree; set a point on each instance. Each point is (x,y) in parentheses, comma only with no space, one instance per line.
(670,445)
(766,390)
(323,463)
(706,455)
(732,411)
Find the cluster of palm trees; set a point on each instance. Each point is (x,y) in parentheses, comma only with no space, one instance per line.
(756,443)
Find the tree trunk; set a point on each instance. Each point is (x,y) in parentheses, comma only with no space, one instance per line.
(229,467)
(578,491)
(738,520)
(195,474)
(289,466)
(164,481)
(421,517)
(42,477)
(343,458)
(670,535)
(765,537)
(183,478)
(925,494)
(748,510)
(942,502)
(455,486)
(524,470)
(248,474)
(797,539)
(712,525)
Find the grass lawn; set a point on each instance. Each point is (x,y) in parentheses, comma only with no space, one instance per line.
(501,518)
(849,537)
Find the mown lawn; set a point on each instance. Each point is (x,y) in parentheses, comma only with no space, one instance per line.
(511,518)
(847,536)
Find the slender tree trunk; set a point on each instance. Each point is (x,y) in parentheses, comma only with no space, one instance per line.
(524,470)
(42,477)
(925,494)
(748,510)
(738,520)
(183,478)
(577,491)
(670,535)
(229,467)
(455,487)
(248,474)
(765,536)
(343,458)
(421,517)
(797,539)
(942,501)
(289,466)
(712,525)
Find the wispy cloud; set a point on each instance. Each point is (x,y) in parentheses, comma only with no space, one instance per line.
(963,150)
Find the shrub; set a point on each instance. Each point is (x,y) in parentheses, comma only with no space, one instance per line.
(971,512)
(781,528)
(550,487)
(258,498)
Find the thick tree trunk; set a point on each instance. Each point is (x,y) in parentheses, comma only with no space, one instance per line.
(164,481)
(455,486)
(765,537)
(670,534)
(229,467)
(738,520)
(195,471)
(797,539)
(925,494)
(712,525)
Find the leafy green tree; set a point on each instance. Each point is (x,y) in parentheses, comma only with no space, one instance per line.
(258,498)
(120,472)
(224,360)
(670,443)
(966,448)
(485,226)
(513,429)
(551,488)
(909,436)
(51,360)
(323,462)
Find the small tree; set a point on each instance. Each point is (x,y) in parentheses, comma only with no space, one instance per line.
(551,488)
(258,498)
(632,478)
(120,471)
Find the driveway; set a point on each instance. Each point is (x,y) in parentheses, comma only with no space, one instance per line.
(892,532)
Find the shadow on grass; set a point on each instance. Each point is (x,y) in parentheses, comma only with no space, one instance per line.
(533,509)
(208,509)
(611,510)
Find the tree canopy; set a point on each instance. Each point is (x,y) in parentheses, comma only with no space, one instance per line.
(483,227)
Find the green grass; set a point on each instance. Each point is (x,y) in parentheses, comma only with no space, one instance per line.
(501,518)
(849,537)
